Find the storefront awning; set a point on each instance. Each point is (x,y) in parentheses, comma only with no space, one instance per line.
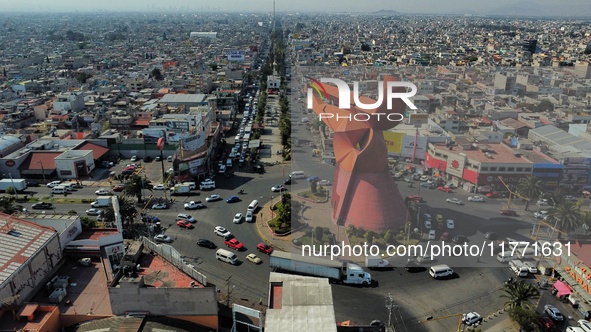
(562,288)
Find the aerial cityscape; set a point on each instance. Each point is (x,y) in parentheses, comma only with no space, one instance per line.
(198,166)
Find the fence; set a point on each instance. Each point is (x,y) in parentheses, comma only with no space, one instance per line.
(174,257)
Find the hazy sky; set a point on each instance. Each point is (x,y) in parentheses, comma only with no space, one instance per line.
(524,7)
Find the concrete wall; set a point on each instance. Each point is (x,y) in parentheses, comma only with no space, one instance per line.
(177,302)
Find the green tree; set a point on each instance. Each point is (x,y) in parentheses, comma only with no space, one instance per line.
(369,236)
(157,74)
(318,234)
(314,186)
(529,187)
(388,237)
(284,210)
(566,216)
(519,294)
(586,221)
(528,319)
(10,191)
(8,205)
(136,185)
(127,211)
(544,105)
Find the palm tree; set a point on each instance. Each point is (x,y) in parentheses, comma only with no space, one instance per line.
(135,186)
(8,206)
(519,294)
(529,187)
(126,210)
(586,221)
(567,216)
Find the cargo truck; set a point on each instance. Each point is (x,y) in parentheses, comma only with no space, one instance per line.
(180,189)
(101,202)
(376,262)
(18,184)
(335,271)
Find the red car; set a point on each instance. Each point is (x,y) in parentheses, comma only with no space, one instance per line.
(119,187)
(234,244)
(264,248)
(415,198)
(494,194)
(184,224)
(511,213)
(444,189)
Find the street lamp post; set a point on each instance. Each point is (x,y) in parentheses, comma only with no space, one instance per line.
(42,171)
(13,187)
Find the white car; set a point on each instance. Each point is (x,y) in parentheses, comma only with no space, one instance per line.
(277,188)
(542,202)
(133,158)
(432,234)
(575,329)
(187,217)
(102,192)
(221,231)
(237,218)
(160,186)
(94,212)
(475,199)
(192,205)
(531,266)
(213,198)
(207,184)
(249,216)
(428,224)
(472,318)
(162,238)
(541,214)
(53,184)
(450,224)
(159,206)
(455,201)
(585,325)
(324,183)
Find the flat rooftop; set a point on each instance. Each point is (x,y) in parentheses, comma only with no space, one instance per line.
(499,153)
(87,290)
(158,273)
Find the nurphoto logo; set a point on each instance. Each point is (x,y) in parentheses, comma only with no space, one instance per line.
(345,99)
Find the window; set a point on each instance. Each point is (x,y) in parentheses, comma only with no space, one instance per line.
(519,169)
(484,169)
(502,169)
(493,169)
(510,169)
(527,169)
(437,154)
(65,172)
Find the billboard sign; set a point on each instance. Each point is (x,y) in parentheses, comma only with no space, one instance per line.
(193,142)
(235,56)
(151,135)
(408,147)
(393,141)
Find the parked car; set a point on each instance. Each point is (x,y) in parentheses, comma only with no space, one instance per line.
(553,312)
(253,258)
(206,243)
(184,224)
(134,158)
(147,159)
(444,189)
(162,238)
(213,198)
(511,213)
(119,187)
(169,158)
(542,202)
(475,199)
(472,318)
(415,198)
(159,206)
(53,184)
(540,214)
(223,232)
(449,223)
(264,248)
(157,158)
(428,224)
(160,186)
(455,201)
(234,244)
(324,183)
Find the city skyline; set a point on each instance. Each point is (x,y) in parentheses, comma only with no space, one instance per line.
(574,8)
